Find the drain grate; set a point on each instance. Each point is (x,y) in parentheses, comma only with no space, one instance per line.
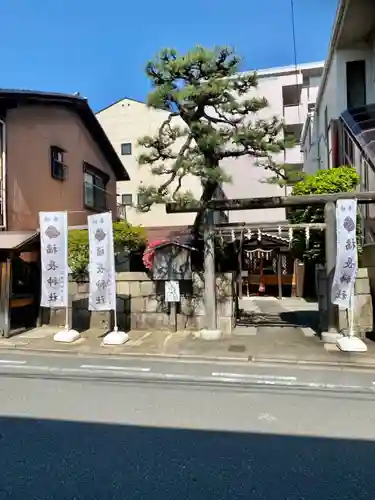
(237,348)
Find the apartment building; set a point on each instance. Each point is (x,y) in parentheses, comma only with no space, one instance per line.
(344,110)
(125,122)
(291,93)
(341,129)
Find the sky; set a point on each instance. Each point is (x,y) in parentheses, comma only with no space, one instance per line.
(100,48)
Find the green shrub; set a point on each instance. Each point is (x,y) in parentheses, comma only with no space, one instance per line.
(125,237)
(336,180)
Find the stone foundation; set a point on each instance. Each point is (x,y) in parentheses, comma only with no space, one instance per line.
(141,306)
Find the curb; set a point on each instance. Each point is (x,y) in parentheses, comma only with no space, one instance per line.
(96,354)
(250,360)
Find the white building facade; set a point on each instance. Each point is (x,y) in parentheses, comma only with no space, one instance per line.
(348,84)
(291,94)
(125,122)
(341,130)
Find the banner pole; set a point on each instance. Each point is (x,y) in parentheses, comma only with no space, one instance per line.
(67,277)
(351,331)
(115,329)
(67,334)
(347,272)
(115,337)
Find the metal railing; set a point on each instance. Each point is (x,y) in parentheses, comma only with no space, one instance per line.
(121,211)
(3,196)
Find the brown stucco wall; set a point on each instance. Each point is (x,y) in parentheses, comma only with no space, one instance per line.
(30,187)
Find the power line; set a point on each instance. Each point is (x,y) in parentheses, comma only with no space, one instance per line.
(293,33)
(295,53)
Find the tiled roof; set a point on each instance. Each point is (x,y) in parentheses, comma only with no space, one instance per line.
(170,233)
(79,105)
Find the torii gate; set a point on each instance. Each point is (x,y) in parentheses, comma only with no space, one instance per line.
(208,209)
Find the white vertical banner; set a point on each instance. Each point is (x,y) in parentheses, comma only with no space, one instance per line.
(102,263)
(347,253)
(54,258)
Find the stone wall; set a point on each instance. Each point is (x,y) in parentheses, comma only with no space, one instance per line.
(363,319)
(141,306)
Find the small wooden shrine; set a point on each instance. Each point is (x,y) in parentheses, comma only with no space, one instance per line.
(172,261)
(265,265)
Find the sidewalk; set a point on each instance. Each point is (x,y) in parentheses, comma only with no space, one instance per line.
(263,345)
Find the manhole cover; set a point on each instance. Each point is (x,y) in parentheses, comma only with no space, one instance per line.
(237,348)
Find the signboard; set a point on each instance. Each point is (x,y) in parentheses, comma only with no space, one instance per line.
(102,295)
(347,254)
(172,291)
(54,258)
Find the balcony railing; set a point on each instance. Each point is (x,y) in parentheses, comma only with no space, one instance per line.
(293,155)
(294,114)
(121,211)
(2,205)
(354,154)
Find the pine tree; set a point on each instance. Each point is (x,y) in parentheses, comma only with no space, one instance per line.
(218,107)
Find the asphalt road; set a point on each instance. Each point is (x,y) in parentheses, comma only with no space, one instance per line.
(76,428)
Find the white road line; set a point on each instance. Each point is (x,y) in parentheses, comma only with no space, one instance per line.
(18,367)
(11,362)
(121,368)
(293,383)
(252,376)
(41,368)
(315,385)
(235,378)
(58,369)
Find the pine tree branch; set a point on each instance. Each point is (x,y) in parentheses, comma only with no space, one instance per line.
(237,153)
(222,118)
(204,88)
(175,168)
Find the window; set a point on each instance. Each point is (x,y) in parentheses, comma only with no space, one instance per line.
(327,136)
(141,199)
(311,107)
(58,169)
(126,148)
(305,81)
(356,84)
(326,123)
(291,95)
(127,200)
(95,195)
(348,150)
(293,132)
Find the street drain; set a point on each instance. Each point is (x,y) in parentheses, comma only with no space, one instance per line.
(237,348)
